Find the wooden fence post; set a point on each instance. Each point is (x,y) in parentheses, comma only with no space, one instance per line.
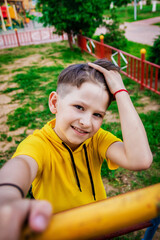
(81,40)
(143,52)
(17,37)
(102,47)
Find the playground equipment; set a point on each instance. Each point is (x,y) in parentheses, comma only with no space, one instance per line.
(9,17)
(97,221)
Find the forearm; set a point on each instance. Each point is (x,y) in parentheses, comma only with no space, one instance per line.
(15,171)
(136,145)
(13,208)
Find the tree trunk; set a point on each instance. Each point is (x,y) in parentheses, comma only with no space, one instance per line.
(70,40)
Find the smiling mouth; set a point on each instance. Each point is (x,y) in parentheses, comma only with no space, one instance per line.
(79,130)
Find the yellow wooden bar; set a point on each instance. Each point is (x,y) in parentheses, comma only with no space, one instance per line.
(103,217)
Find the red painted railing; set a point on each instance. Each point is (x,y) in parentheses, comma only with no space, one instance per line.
(27,37)
(145,73)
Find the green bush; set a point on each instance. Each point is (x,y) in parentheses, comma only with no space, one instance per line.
(154,55)
(114,36)
(148,2)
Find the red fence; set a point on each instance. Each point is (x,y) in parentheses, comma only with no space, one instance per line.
(34,36)
(145,73)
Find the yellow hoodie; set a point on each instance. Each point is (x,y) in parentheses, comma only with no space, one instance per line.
(67,178)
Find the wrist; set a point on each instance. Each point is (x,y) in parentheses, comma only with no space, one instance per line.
(120,91)
(8,195)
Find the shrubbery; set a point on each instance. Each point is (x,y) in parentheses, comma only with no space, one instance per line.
(115,36)
(154,55)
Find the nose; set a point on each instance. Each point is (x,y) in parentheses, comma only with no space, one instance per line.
(85,120)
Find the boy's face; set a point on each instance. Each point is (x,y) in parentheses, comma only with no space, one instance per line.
(79,114)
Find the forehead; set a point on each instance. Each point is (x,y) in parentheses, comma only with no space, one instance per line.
(88,93)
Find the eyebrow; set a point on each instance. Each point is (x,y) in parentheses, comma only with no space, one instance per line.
(86,105)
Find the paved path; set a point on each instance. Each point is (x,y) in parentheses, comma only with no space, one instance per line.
(140,31)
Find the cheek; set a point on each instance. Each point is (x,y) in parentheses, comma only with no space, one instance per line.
(69,114)
(97,124)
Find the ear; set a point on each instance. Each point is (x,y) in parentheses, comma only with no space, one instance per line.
(53,102)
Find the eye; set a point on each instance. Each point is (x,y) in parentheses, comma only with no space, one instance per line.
(98,115)
(79,107)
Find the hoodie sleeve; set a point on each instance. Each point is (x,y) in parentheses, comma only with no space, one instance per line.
(105,139)
(34,147)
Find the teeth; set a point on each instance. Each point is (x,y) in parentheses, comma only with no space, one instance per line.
(80,131)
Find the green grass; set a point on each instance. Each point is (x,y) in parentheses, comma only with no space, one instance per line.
(126,14)
(13,54)
(134,49)
(157,24)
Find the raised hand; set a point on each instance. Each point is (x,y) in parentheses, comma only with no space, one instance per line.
(113,78)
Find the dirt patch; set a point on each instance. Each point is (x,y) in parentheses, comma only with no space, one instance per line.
(46,62)
(56,54)
(15,92)
(4,146)
(29,131)
(7,77)
(4,128)
(4,99)
(22,62)
(111,117)
(3,119)
(4,86)
(108,188)
(59,62)
(17,132)
(148,105)
(7,108)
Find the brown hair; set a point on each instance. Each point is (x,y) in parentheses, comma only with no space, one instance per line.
(77,74)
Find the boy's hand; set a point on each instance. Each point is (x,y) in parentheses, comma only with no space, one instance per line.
(113,78)
(14,214)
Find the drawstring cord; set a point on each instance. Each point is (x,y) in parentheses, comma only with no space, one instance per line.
(75,170)
(89,172)
(74,166)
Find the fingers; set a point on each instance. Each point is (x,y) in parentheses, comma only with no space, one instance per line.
(40,215)
(13,216)
(97,67)
(112,78)
(106,73)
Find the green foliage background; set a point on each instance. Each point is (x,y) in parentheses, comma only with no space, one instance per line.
(72,16)
(154,55)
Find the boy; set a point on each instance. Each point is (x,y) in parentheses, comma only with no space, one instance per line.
(62,161)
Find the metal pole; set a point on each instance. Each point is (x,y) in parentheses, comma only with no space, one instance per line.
(135,10)
(103,217)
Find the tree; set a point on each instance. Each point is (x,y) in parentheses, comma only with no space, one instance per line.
(148,2)
(72,16)
(120,3)
(114,36)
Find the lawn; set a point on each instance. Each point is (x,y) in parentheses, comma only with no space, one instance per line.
(157,24)
(29,74)
(126,14)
